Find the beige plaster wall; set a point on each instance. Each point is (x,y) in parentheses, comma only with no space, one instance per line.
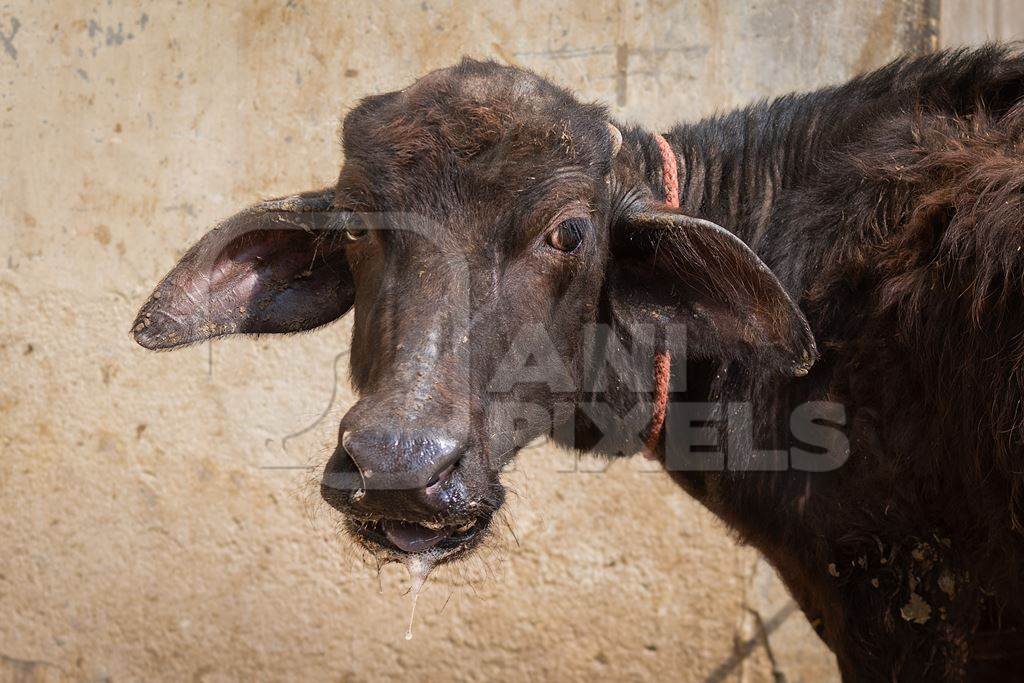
(156,517)
(972,22)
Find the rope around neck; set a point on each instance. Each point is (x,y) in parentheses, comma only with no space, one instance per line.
(662,358)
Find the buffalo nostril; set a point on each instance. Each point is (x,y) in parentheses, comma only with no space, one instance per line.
(402,458)
(341,472)
(351,453)
(441,477)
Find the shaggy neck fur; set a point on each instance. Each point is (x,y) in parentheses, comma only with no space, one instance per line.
(890,209)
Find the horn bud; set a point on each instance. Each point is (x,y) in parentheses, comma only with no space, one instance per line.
(616,137)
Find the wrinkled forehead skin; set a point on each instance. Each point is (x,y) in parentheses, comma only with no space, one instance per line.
(477,131)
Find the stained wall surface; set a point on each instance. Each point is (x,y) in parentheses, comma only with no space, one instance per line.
(157,520)
(972,22)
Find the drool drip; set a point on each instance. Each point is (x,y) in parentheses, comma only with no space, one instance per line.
(419,567)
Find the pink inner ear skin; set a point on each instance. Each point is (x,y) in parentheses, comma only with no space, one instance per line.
(237,268)
(268,279)
(233,281)
(258,262)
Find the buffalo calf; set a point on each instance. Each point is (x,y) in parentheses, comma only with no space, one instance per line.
(810,310)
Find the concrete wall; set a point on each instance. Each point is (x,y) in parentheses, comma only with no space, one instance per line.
(157,519)
(972,22)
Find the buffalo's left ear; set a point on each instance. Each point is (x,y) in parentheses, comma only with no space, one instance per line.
(672,268)
(277,266)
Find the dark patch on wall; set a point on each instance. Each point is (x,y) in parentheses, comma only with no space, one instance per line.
(923,34)
(621,74)
(8,40)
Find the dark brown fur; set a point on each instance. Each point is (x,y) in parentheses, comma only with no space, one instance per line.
(889,209)
(898,221)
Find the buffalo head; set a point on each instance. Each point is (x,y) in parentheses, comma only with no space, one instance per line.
(512,274)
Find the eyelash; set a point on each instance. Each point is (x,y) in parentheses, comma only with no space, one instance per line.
(355,229)
(568,235)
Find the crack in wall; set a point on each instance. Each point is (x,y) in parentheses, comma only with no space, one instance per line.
(747,647)
(15,670)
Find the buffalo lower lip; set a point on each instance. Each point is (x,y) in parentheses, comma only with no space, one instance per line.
(413,538)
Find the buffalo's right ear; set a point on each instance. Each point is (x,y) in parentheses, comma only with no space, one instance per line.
(278,266)
(672,267)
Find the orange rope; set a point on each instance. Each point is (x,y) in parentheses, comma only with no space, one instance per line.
(662,359)
(669,171)
(662,370)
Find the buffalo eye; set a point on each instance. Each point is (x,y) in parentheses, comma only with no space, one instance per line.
(568,235)
(354,229)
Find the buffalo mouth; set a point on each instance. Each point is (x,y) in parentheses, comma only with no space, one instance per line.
(446,541)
